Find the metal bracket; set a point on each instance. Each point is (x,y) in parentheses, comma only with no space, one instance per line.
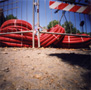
(35,3)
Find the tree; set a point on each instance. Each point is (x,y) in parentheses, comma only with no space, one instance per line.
(52,23)
(69,28)
(8,17)
(2,17)
(89,33)
(44,27)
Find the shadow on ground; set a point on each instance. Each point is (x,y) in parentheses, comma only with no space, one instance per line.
(81,60)
(86,77)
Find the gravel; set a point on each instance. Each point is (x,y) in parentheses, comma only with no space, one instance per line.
(44,69)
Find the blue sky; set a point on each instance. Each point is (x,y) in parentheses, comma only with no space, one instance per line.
(24,12)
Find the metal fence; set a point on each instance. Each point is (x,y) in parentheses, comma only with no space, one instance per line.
(16,9)
(40,14)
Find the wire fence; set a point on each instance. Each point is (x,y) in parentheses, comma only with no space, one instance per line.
(23,10)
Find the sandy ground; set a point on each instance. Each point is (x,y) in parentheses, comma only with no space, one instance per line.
(44,69)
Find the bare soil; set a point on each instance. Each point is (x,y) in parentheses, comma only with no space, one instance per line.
(44,69)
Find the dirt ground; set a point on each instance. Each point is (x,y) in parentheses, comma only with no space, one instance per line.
(44,69)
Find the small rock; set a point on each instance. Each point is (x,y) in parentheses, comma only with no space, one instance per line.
(14,49)
(39,53)
(33,68)
(77,66)
(6,70)
(5,53)
(38,75)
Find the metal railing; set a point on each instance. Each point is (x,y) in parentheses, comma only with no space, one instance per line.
(19,13)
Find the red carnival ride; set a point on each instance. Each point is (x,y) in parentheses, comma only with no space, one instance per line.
(25,40)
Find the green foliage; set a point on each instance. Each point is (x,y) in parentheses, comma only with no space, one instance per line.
(89,33)
(67,25)
(52,23)
(8,17)
(44,27)
(70,28)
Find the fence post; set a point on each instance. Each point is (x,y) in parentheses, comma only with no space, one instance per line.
(33,42)
(38,23)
